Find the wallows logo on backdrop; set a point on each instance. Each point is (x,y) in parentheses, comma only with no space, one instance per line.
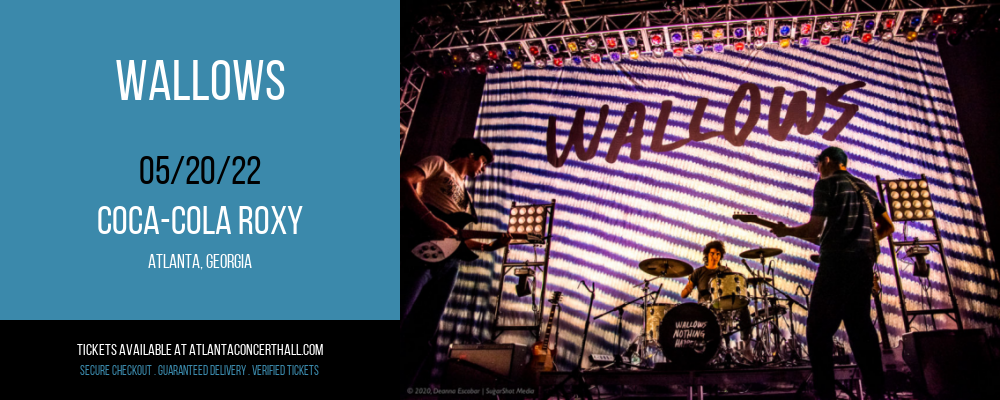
(636,111)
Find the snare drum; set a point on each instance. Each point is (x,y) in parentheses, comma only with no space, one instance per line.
(654,315)
(690,335)
(729,291)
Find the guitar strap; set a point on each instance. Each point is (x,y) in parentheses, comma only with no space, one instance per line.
(875,247)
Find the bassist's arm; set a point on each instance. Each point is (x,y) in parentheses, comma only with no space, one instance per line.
(809,230)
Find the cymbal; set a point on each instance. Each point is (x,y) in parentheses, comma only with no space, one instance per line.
(760,252)
(666,267)
(754,281)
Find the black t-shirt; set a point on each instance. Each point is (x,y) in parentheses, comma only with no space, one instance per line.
(848,226)
(702,278)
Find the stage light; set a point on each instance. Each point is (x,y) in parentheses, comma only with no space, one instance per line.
(867,37)
(847,25)
(676,37)
(658,52)
(481,69)
(759,31)
(493,55)
(493,68)
(759,43)
(447,72)
(911,36)
(918,253)
(572,46)
(739,46)
(785,30)
(611,42)
(719,47)
(553,48)
(869,24)
(615,56)
(887,36)
(698,49)
(474,56)
(595,58)
(805,29)
(804,42)
(784,43)
(456,58)
(888,23)
(825,41)
(558,62)
(845,39)
(656,39)
(958,18)
(517,65)
(540,63)
(534,50)
(718,33)
(522,274)
(678,52)
(577,60)
(936,18)
(826,27)
(739,33)
(633,54)
(697,35)
(591,43)
(512,53)
(914,21)
(931,36)
(910,199)
(631,41)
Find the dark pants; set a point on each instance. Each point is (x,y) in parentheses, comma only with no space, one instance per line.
(842,292)
(424,292)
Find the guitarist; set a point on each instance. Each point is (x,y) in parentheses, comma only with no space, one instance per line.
(426,287)
(843,286)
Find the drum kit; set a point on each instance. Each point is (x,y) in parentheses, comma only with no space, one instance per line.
(694,335)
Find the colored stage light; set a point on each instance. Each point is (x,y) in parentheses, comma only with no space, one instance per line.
(631,41)
(914,21)
(492,68)
(595,58)
(457,58)
(847,25)
(615,56)
(447,72)
(512,53)
(633,54)
(676,37)
(804,42)
(656,39)
(911,36)
(785,30)
(931,36)
(592,43)
(577,60)
(869,24)
(739,33)
(534,50)
(827,27)
(517,65)
(658,51)
(759,31)
(572,46)
(825,40)
(678,52)
(936,18)
(739,46)
(846,39)
(698,49)
(759,43)
(958,18)
(887,36)
(697,35)
(553,48)
(888,23)
(805,29)
(558,62)
(719,47)
(718,33)
(493,55)
(540,63)
(611,42)
(867,37)
(785,42)
(481,69)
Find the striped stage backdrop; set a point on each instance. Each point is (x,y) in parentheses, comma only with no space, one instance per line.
(679,190)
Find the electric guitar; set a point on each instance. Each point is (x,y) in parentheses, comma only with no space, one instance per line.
(419,240)
(541,356)
(754,219)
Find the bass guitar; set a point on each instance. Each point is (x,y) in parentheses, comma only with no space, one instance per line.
(754,219)
(419,240)
(541,356)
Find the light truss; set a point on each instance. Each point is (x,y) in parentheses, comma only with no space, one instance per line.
(522,31)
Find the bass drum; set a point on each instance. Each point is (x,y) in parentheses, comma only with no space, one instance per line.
(690,335)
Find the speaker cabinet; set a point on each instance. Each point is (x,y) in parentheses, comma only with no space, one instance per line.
(484,365)
(950,364)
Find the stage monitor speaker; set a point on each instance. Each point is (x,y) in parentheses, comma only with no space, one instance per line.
(484,365)
(950,364)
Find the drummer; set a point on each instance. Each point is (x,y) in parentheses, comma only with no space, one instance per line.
(702,277)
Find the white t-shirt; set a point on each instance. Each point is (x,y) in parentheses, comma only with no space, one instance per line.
(442,187)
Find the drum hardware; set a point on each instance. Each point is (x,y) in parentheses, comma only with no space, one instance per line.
(757,281)
(620,310)
(666,267)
